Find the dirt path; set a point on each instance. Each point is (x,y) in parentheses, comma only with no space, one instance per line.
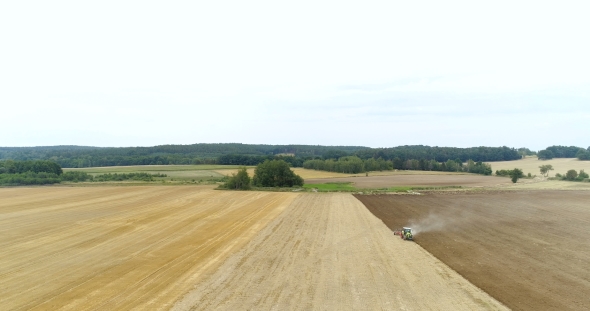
(528,249)
(119,248)
(328,252)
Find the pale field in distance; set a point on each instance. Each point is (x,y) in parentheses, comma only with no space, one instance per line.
(178,172)
(313,174)
(304,173)
(531,165)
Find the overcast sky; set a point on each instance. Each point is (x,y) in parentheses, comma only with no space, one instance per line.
(378,74)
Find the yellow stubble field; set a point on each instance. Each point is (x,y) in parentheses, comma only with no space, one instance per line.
(531,165)
(120,248)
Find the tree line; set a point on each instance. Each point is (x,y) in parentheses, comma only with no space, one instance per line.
(564,152)
(245,154)
(441,154)
(48,172)
(19,167)
(251,160)
(355,165)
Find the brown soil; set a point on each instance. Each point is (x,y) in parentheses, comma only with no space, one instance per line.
(528,249)
(418,180)
(327,252)
(120,248)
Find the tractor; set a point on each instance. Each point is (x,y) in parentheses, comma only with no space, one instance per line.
(405,234)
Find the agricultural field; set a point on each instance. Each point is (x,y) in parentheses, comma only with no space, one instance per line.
(178,173)
(313,174)
(528,249)
(531,165)
(151,247)
(120,248)
(188,173)
(520,246)
(418,180)
(326,251)
(304,173)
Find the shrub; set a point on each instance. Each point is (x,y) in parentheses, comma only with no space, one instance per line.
(515,174)
(239,181)
(75,176)
(571,175)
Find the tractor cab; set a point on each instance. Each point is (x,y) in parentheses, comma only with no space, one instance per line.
(407,233)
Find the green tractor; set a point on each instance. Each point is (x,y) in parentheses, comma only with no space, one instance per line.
(405,234)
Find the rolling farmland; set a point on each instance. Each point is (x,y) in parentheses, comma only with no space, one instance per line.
(196,248)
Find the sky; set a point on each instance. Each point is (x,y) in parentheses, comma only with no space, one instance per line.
(363,73)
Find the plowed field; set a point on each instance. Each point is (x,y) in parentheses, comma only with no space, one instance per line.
(528,249)
(328,252)
(119,248)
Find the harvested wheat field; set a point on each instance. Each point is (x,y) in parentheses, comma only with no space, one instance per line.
(423,180)
(531,165)
(122,248)
(119,248)
(328,252)
(528,249)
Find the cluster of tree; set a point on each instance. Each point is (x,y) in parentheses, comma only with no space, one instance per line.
(440,154)
(354,165)
(239,181)
(572,175)
(275,173)
(348,164)
(564,152)
(19,167)
(514,174)
(270,173)
(29,172)
(251,160)
(583,155)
